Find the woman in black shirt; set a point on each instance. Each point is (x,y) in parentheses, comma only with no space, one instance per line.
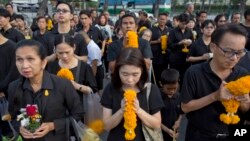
(130,73)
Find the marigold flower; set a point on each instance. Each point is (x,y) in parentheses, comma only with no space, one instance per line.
(164,40)
(129,115)
(65,73)
(225,118)
(97,126)
(132,39)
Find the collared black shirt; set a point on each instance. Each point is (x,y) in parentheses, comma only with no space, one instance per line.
(61,97)
(245,62)
(156,48)
(13,35)
(115,48)
(8,70)
(247,46)
(81,46)
(200,81)
(198,48)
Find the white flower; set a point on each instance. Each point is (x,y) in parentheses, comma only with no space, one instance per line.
(25,122)
(20,117)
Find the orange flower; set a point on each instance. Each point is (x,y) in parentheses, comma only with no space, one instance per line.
(97,126)
(239,87)
(132,39)
(164,40)
(129,115)
(65,73)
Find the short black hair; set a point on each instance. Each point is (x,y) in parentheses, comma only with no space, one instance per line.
(9,4)
(246,13)
(207,22)
(4,13)
(41,17)
(163,14)
(85,12)
(183,17)
(219,32)
(234,13)
(19,17)
(39,48)
(201,12)
(70,7)
(217,18)
(170,76)
(129,14)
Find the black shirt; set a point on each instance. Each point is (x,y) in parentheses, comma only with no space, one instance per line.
(13,35)
(198,48)
(115,48)
(245,62)
(200,81)
(156,48)
(81,46)
(95,34)
(170,112)
(175,36)
(39,37)
(145,23)
(247,46)
(52,107)
(8,70)
(112,98)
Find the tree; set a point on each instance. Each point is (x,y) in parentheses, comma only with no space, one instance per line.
(43,8)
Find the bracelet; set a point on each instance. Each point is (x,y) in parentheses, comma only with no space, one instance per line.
(80,88)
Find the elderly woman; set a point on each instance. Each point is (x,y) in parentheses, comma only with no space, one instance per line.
(55,97)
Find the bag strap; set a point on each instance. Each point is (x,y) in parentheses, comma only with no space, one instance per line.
(78,71)
(148,86)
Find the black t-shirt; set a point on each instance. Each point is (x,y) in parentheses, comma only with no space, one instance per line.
(39,37)
(115,48)
(112,98)
(13,35)
(198,48)
(158,58)
(245,62)
(8,70)
(200,81)
(86,76)
(81,46)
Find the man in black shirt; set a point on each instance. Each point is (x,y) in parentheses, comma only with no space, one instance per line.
(7,30)
(159,60)
(39,34)
(204,88)
(128,23)
(64,13)
(144,21)
(8,73)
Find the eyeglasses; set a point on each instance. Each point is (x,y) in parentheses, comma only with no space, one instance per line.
(230,53)
(62,11)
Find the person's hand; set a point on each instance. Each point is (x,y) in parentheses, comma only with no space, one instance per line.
(123,104)
(223,93)
(243,98)
(125,40)
(171,133)
(176,125)
(188,42)
(137,106)
(44,129)
(75,84)
(2,94)
(205,56)
(26,133)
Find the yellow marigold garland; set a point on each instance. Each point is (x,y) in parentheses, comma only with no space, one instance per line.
(65,73)
(164,40)
(132,39)
(239,87)
(97,126)
(129,115)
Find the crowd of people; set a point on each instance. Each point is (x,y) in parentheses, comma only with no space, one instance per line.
(188,60)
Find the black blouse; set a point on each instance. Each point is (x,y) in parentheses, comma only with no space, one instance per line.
(112,98)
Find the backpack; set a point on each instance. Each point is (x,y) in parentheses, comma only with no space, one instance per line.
(104,32)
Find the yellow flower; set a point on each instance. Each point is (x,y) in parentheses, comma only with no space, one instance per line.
(185,49)
(129,115)
(239,87)
(97,126)
(65,73)
(49,24)
(164,40)
(141,29)
(132,39)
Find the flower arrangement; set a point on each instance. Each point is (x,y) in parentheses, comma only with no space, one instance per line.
(194,35)
(94,128)
(239,87)
(30,118)
(141,29)
(185,49)
(164,40)
(65,73)
(132,39)
(49,25)
(129,115)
